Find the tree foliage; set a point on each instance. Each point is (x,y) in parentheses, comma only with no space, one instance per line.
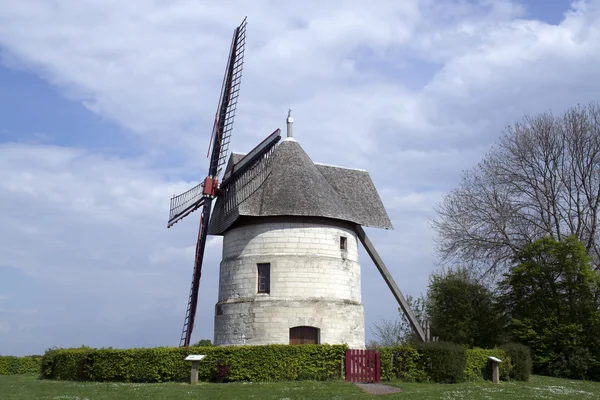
(541,179)
(520,360)
(551,297)
(462,310)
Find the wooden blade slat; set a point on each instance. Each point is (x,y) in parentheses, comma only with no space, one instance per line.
(185,203)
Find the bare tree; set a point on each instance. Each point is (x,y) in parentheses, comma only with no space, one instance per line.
(387,333)
(390,333)
(541,179)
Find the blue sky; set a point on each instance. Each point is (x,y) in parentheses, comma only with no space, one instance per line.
(106,109)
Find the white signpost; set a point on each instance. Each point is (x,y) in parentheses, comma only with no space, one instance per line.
(195,359)
(495,369)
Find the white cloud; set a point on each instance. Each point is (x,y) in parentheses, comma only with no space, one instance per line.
(91,232)
(412,91)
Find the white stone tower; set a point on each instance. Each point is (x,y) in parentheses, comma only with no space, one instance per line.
(290,271)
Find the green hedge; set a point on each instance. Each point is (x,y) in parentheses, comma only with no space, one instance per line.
(246,363)
(521,362)
(443,362)
(410,364)
(10,365)
(402,362)
(479,366)
(437,362)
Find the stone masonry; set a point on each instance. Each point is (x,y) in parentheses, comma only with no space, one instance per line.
(312,283)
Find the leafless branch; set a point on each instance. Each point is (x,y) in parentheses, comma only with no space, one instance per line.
(542,178)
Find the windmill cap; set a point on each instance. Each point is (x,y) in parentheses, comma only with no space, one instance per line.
(295,186)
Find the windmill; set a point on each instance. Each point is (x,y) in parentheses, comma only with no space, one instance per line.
(290,230)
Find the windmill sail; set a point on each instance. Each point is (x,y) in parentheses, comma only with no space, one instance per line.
(185,203)
(190,314)
(228,99)
(202,195)
(259,151)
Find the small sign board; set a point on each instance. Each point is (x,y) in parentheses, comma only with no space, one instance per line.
(195,357)
(494,359)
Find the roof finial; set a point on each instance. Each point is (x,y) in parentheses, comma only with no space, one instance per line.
(289,121)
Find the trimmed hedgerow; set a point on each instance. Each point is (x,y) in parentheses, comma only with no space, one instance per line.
(6,365)
(520,359)
(408,364)
(10,365)
(245,363)
(69,364)
(480,367)
(437,362)
(443,362)
(402,362)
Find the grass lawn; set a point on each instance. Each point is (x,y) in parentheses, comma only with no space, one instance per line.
(29,387)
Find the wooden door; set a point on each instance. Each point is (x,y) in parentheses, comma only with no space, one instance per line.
(304,335)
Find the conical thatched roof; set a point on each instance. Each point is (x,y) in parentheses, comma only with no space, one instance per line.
(295,186)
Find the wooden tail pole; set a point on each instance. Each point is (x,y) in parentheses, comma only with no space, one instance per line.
(387,277)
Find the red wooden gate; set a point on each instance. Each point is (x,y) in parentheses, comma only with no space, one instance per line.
(363,366)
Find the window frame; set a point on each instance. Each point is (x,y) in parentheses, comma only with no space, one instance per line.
(343,243)
(267,277)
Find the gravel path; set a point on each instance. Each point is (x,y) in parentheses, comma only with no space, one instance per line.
(377,388)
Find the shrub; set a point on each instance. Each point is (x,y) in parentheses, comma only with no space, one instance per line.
(401,362)
(223,368)
(246,363)
(10,365)
(6,363)
(47,363)
(574,365)
(520,359)
(443,362)
(478,365)
(69,364)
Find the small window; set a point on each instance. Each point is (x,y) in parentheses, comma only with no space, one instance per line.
(264,278)
(343,242)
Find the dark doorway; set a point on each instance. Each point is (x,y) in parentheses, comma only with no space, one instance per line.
(304,335)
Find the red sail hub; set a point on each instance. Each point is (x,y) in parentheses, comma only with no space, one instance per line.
(210,186)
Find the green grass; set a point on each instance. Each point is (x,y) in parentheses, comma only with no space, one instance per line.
(19,387)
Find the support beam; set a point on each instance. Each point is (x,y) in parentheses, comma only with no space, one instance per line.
(387,277)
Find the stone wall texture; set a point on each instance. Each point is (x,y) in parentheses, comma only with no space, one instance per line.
(313,283)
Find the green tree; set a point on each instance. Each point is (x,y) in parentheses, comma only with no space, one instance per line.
(204,342)
(551,298)
(462,310)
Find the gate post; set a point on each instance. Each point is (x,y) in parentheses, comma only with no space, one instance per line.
(348,365)
(377,367)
